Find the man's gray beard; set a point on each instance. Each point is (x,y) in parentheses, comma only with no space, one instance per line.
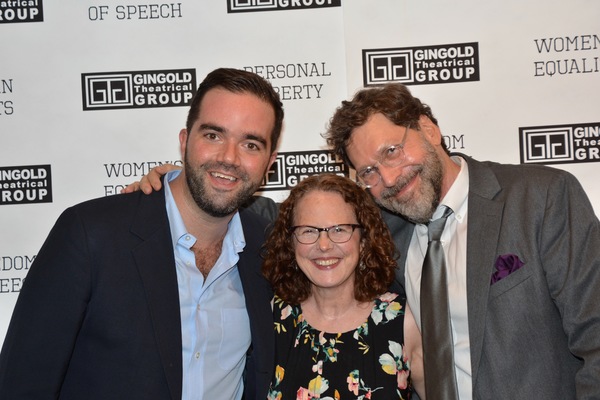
(210,205)
(421,209)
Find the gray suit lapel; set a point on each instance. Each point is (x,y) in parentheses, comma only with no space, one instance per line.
(485,218)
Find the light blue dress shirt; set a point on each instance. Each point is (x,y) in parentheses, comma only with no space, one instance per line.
(215,327)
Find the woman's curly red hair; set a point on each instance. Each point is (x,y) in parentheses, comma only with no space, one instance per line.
(377,253)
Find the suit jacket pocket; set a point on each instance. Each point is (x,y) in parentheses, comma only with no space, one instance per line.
(510,282)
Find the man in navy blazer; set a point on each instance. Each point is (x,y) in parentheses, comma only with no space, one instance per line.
(522,250)
(111,308)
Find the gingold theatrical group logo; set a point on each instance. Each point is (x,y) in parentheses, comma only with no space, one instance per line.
(446,63)
(25,184)
(560,144)
(12,11)
(292,167)
(237,6)
(138,89)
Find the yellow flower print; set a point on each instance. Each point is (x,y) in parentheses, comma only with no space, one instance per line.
(317,386)
(279,372)
(385,306)
(390,363)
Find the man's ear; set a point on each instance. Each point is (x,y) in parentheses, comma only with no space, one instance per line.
(430,130)
(272,160)
(183,135)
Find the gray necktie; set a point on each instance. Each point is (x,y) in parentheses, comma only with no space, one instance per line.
(438,352)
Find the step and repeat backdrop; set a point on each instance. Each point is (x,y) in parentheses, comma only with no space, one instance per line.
(93,93)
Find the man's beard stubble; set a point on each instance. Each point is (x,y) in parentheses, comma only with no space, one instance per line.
(417,209)
(210,203)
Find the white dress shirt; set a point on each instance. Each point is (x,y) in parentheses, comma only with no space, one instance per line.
(454,241)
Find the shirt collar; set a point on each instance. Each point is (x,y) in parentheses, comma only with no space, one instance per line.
(234,238)
(457,195)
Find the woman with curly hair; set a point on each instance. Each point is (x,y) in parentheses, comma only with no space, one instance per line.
(339,332)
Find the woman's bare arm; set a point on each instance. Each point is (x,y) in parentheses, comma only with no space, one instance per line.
(413,346)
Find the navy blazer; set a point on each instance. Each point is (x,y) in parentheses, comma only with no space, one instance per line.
(98,314)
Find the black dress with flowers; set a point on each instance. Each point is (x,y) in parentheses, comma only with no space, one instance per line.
(365,363)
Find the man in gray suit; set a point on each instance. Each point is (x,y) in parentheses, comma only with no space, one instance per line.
(522,249)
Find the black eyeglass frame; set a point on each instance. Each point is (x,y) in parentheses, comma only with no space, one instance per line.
(326,229)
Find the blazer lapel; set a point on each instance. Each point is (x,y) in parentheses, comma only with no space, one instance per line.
(485,218)
(257,292)
(156,265)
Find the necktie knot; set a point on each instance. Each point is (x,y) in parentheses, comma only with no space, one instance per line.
(436,227)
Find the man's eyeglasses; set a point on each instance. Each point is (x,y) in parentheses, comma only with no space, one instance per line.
(306,234)
(390,157)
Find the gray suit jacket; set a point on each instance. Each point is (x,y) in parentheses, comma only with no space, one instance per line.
(536,333)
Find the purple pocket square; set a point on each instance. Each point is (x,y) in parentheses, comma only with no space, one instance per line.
(505,265)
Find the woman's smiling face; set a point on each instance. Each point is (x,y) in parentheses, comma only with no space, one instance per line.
(328,265)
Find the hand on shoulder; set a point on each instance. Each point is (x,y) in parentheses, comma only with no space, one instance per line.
(151,181)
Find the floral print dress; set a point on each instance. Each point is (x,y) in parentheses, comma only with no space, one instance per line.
(365,363)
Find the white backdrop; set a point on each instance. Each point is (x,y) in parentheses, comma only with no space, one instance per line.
(509,81)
